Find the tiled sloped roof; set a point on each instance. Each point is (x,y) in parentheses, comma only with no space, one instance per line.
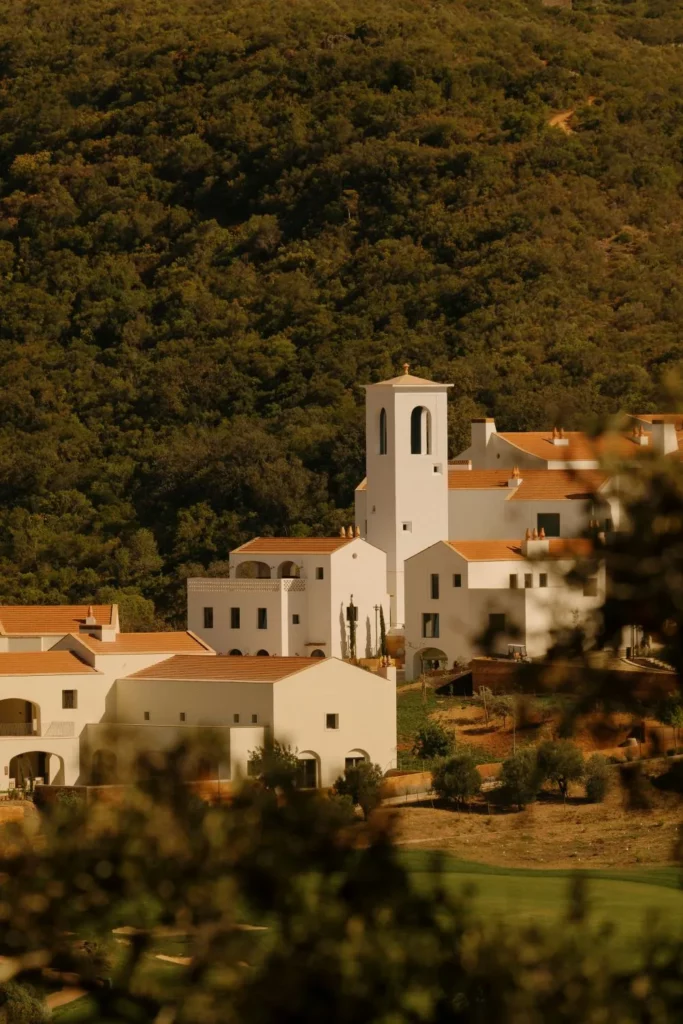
(58,619)
(536,485)
(292,545)
(148,643)
(41,663)
(664,417)
(581,447)
(511,550)
(407,380)
(227,669)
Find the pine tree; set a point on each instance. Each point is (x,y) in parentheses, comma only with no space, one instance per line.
(382,633)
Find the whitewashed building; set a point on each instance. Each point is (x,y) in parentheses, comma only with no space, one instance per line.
(293,596)
(473,597)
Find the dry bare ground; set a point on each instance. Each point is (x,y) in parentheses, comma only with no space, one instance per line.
(550,834)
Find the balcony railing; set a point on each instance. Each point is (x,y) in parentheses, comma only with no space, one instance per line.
(211,585)
(17,729)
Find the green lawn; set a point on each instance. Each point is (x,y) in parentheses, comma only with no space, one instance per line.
(624,899)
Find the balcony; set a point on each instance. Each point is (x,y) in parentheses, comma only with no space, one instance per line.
(17,729)
(210,585)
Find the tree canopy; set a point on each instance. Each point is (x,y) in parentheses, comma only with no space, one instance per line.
(219,218)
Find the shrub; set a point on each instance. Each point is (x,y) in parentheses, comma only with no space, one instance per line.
(20,1005)
(561,762)
(520,777)
(432,740)
(275,765)
(597,778)
(457,778)
(362,783)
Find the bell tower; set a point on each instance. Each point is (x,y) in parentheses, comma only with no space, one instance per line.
(406,443)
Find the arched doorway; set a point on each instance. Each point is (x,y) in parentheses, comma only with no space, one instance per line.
(355,757)
(288,571)
(430,659)
(317,653)
(36,766)
(104,768)
(308,775)
(252,571)
(262,654)
(19,717)
(235,653)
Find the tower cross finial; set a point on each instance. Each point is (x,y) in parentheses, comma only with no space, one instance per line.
(406,368)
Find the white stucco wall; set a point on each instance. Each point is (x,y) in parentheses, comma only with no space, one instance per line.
(365,704)
(402,488)
(491,513)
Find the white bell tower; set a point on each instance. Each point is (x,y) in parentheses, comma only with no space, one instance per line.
(406,442)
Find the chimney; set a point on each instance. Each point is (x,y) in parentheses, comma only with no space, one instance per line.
(358,531)
(90,619)
(664,437)
(482,432)
(534,545)
(641,436)
(558,438)
(342,532)
(516,478)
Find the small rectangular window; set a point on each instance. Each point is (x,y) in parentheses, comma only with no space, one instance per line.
(528,580)
(70,699)
(407,527)
(430,625)
(319,573)
(146,716)
(254,719)
(262,618)
(236,719)
(234,618)
(549,522)
(514,582)
(590,587)
(182,716)
(331,721)
(457,579)
(208,618)
(543,579)
(497,622)
(434,585)
(295,620)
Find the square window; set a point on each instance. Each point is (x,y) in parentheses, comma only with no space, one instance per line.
(497,622)
(528,580)
(146,716)
(236,719)
(407,527)
(70,699)
(182,716)
(295,620)
(254,719)
(543,579)
(234,618)
(550,522)
(514,582)
(590,587)
(457,579)
(208,618)
(434,586)
(262,618)
(437,469)
(319,573)
(331,721)
(430,625)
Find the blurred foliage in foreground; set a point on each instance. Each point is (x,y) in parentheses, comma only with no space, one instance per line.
(347,937)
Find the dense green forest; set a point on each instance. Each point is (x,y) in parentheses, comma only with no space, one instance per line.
(220,218)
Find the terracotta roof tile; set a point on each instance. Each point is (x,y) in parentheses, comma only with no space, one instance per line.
(536,485)
(45,619)
(42,663)
(293,545)
(581,447)
(227,669)
(511,550)
(363,485)
(148,643)
(665,417)
(407,380)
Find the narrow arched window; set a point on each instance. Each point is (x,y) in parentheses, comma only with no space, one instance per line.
(383,432)
(420,431)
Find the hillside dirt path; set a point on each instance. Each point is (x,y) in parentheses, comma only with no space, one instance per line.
(561,120)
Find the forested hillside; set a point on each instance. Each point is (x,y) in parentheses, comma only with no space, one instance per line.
(219,218)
